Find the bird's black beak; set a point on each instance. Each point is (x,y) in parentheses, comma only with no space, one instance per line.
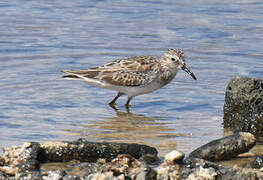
(186,69)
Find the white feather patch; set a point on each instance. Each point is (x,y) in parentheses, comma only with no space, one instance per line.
(94,82)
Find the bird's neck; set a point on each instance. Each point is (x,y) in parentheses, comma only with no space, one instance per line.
(168,74)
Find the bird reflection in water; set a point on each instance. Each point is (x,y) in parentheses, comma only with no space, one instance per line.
(128,127)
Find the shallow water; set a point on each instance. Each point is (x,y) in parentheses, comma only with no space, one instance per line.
(38,39)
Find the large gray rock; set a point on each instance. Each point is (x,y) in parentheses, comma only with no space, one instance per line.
(86,151)
(243,109)
(225,148)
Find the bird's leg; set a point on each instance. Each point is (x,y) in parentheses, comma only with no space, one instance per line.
(127,102)
(116,97)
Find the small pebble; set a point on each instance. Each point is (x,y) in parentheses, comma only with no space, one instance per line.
(173,156)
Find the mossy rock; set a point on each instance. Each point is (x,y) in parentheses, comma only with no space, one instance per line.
(243,108)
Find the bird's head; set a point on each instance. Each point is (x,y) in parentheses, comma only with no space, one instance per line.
(177,57)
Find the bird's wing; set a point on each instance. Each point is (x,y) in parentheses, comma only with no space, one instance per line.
(133,71)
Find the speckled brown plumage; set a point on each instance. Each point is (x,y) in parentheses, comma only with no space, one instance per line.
(130,71)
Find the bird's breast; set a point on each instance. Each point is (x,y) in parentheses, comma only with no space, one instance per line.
(167,76)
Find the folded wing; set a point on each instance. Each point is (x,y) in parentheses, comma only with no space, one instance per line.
(133,71)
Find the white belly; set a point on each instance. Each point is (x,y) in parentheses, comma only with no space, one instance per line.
(137,90)
(131,91)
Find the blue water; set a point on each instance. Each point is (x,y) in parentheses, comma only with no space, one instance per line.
(38,39)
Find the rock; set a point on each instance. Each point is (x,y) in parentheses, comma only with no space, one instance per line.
(225,148)
(146,173)
(85,151)
(150,159)
(125,164)
(83,169)
(104,176)
(191,168)
(71,177)
(203,169)
(168,172)
(240,173)
(172,157)
(32,175)
(256,163)
(192,162)
(16,159)
(54,175)
(243,108)
(131,168)
(202,173)
(223,173)
(124,167)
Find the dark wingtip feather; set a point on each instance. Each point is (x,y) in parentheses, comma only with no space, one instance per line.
(70,76)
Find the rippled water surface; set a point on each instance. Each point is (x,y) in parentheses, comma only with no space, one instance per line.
(38,39)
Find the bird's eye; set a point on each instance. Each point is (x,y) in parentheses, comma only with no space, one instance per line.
(173,59)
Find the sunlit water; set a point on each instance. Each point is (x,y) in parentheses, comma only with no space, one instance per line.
(38,39)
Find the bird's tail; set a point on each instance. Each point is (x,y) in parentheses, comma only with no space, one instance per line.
(69,75)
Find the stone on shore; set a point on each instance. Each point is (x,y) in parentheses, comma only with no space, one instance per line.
(243,108)
(256,163)
(86,151)
(122,167)
(16,159)
(195,168)
(172,157)
(225,148)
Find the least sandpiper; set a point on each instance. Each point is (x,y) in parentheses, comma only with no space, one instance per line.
(135,75)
